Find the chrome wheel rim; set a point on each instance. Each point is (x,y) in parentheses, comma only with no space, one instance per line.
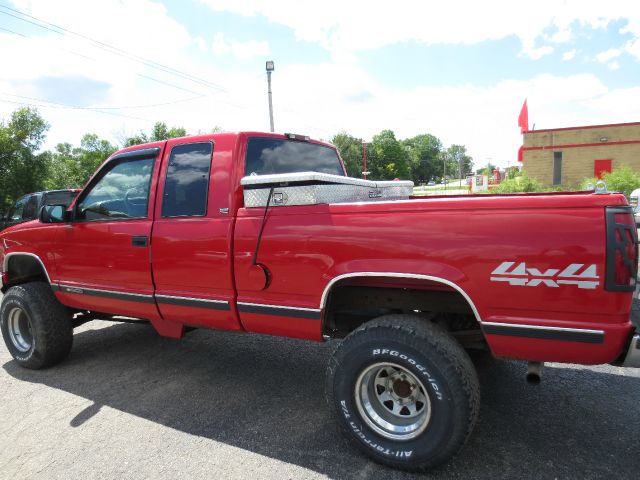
(20,331)
(392,401)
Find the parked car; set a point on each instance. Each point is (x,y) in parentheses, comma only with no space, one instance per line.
(27,207)
(633,198)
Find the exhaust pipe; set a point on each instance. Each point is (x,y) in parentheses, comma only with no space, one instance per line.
(534,373)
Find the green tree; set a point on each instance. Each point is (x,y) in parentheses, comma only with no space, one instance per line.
(350,149)
(160,131)
(22,169)
(459,161)
(71,167)
(487,169)
(387,158)
(522,183)
(622,179)
(423,154)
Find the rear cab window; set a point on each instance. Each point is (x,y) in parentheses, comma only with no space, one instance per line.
(266,156)
(59,198)
(186,184)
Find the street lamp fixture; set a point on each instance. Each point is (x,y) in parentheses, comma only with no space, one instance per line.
(270,67)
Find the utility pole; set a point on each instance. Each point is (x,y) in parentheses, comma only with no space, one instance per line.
(444,167)
(364,160)
(270,67)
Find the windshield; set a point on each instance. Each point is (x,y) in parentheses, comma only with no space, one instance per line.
(266,156)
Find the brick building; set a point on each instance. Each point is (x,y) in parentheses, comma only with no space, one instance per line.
(566,156)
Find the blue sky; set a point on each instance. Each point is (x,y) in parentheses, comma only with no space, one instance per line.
(459,70)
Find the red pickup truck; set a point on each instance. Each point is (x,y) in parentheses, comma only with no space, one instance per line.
(259,232)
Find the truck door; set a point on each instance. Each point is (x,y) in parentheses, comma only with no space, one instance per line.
(191,238)
(102,256)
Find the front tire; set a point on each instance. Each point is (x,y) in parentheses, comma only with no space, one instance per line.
(37,329)
(404,392)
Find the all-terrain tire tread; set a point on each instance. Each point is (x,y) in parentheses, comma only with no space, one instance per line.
(50,320)
(423,335)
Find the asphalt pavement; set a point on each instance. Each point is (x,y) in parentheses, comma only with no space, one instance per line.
(128,404)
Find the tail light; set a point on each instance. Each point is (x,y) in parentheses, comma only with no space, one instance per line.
(622,250)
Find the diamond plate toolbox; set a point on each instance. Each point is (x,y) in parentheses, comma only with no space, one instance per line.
(312,188)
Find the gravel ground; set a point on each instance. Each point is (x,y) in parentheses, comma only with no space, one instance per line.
(128,404)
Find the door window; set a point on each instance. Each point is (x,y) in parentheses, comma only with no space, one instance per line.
(121,192)
(16,212)
(187,182)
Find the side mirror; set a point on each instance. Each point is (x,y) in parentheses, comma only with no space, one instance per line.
(54,214)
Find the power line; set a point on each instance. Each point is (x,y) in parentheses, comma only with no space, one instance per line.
(126,55)
(99,107)
(112,49)
(15,33)
(96,60)
(197,94)
(63,49)
(70,107)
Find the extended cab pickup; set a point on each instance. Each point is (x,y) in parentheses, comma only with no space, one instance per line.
(259,232)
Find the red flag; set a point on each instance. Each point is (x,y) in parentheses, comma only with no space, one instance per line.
(523,118)
(521,153)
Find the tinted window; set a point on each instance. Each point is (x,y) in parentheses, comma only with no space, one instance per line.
(15,215)
(120,193)
(31,208)
(59,198)
(187,180)
(271,155)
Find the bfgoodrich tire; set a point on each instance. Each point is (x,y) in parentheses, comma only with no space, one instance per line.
(404,392)
(36,328)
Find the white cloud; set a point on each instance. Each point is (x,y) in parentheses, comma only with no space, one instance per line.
(317,99)
(142,27)
(570,55)
(607,55)
(538,53)
(615,65)
(562,36)
(483,119)
(242,50)
(343,27)
(220,46)
(633,48)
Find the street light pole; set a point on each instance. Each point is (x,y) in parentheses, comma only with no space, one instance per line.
(270,67)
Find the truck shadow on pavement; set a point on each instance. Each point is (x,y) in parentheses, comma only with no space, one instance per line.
(266,395)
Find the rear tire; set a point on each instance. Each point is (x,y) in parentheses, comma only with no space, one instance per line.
(37,329)
(404,392)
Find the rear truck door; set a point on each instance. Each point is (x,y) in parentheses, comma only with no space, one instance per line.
(103,254)
(191,239)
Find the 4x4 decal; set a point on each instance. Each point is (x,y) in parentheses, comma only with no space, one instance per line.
(579,274)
